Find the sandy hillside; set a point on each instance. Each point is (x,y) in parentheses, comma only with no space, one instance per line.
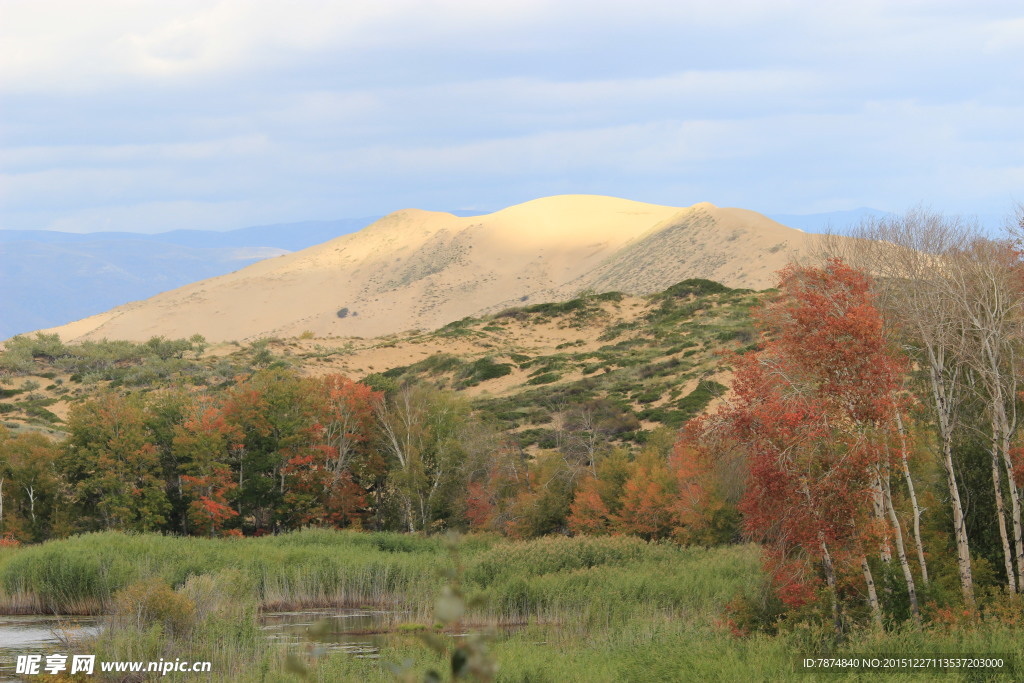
(419,270)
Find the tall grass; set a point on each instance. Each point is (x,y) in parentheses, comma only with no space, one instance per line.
(305,568)
(548,579)
(590,581)
(590,609)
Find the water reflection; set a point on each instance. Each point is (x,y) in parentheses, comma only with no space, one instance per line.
(359,632)
(39,634)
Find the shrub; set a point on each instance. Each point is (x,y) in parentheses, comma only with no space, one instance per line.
(143,604)
(485,369)
(697,400)
(545,378)
(226,595)
(696,287)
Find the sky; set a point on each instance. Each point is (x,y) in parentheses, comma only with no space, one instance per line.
(148,115)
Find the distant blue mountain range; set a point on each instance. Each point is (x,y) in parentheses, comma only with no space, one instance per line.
(841,222)
(290,236)
(50,278)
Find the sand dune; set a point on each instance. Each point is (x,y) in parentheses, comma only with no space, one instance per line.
(420,269)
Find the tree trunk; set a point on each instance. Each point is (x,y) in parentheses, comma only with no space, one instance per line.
(31,492)
(963,552)
(240,481)
(876,610)
(901,554)
(997,483)
(905,458)
(830,579)
(410,518)
(1007,429)
(911,589)
(878,511)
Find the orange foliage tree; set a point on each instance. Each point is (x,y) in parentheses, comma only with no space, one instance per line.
(330,471)
(812,410)
(201,444)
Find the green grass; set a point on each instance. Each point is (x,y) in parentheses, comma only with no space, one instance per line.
(575,609)
(309,568)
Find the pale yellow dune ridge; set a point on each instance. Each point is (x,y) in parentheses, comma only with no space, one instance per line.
(418,269)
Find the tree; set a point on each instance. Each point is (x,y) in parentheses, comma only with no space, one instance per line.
(330,473)
(498,476)
(985,281)
(421,432)
(599,499)
(588,512)
(268,413)
(710,477)
(544,505)
(112,465)
(812,410)
(165,412)
(30,462)
(201,445)
(647,500)
(906,256)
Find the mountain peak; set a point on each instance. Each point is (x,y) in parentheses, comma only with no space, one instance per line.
(424,269)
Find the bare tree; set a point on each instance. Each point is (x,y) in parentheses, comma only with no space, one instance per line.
(986,284)
(907,255)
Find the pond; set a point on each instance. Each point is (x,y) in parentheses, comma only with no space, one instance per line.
(355,631)
(358,632)
(39,634)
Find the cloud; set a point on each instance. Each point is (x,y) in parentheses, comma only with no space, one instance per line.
(138,113)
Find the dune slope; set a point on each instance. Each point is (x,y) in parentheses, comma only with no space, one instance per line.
(419,269)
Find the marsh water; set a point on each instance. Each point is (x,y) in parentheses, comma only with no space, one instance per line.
(355,631)
(40,634)
(358,632)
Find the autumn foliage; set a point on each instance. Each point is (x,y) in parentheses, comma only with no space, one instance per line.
(813,411)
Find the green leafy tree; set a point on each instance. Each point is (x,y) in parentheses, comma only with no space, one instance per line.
(112,465)
(421,430)
(267,414)
(30,460)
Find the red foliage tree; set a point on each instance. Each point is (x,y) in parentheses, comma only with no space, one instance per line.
(479,506)
(329,472)
(811,411)
(588,512)
(201,443)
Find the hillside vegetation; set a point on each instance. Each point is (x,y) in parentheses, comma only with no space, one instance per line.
(639,363)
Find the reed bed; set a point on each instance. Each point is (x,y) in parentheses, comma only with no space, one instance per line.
(589,609)
(553,580)
(587,582)
(301,569)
